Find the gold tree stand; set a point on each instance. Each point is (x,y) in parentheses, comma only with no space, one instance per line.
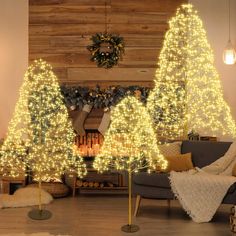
(37,214)
(130,228)
(40,214)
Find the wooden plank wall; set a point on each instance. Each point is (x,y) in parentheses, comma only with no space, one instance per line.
(60,30)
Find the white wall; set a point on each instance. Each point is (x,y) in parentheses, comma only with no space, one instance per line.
(214,14)
(13,55)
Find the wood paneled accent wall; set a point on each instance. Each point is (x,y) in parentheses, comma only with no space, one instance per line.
(60,30)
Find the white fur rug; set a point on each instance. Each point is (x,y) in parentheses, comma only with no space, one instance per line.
(35,234)
(24,197)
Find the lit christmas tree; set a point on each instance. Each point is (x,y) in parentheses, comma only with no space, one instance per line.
(188,94)
(129,144)
(40,138)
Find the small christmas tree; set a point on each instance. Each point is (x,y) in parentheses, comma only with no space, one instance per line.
(188,94)
(129,144)
(40,138)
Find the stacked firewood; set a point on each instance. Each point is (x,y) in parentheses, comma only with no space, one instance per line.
(90,184)
(232,219)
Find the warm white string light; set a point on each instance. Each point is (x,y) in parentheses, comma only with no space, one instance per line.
(130,142)
(188,94)
(40,138)
(130,145)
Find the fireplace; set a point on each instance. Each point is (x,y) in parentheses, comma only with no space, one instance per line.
(90,143)
(89,110)
(94,182)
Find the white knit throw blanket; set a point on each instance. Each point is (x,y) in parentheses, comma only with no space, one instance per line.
(200,192)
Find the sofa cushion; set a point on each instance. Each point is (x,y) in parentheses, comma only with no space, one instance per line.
(204,152)
(152,192)
(154,179)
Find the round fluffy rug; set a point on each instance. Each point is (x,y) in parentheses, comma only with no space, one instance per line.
(24,197)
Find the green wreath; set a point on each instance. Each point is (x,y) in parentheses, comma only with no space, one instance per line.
(106,49)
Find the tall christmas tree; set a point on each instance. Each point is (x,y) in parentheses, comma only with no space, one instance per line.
(188,93)
(40,138)
(129,144)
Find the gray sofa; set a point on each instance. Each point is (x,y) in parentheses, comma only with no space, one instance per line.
(156,185)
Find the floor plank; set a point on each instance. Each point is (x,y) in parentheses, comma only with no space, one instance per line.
(92,215)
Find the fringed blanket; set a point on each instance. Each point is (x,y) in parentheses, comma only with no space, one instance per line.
(200,194)
(201,191)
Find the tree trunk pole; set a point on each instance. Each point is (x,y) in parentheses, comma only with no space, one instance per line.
(130,200)
(40,193)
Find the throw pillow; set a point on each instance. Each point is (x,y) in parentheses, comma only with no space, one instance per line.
(170,149)
(182,162)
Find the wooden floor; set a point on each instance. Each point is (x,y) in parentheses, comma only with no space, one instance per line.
(90,215)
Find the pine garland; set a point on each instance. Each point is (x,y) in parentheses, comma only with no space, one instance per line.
(75,97)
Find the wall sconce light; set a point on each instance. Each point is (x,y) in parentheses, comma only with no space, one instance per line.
(229,54)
